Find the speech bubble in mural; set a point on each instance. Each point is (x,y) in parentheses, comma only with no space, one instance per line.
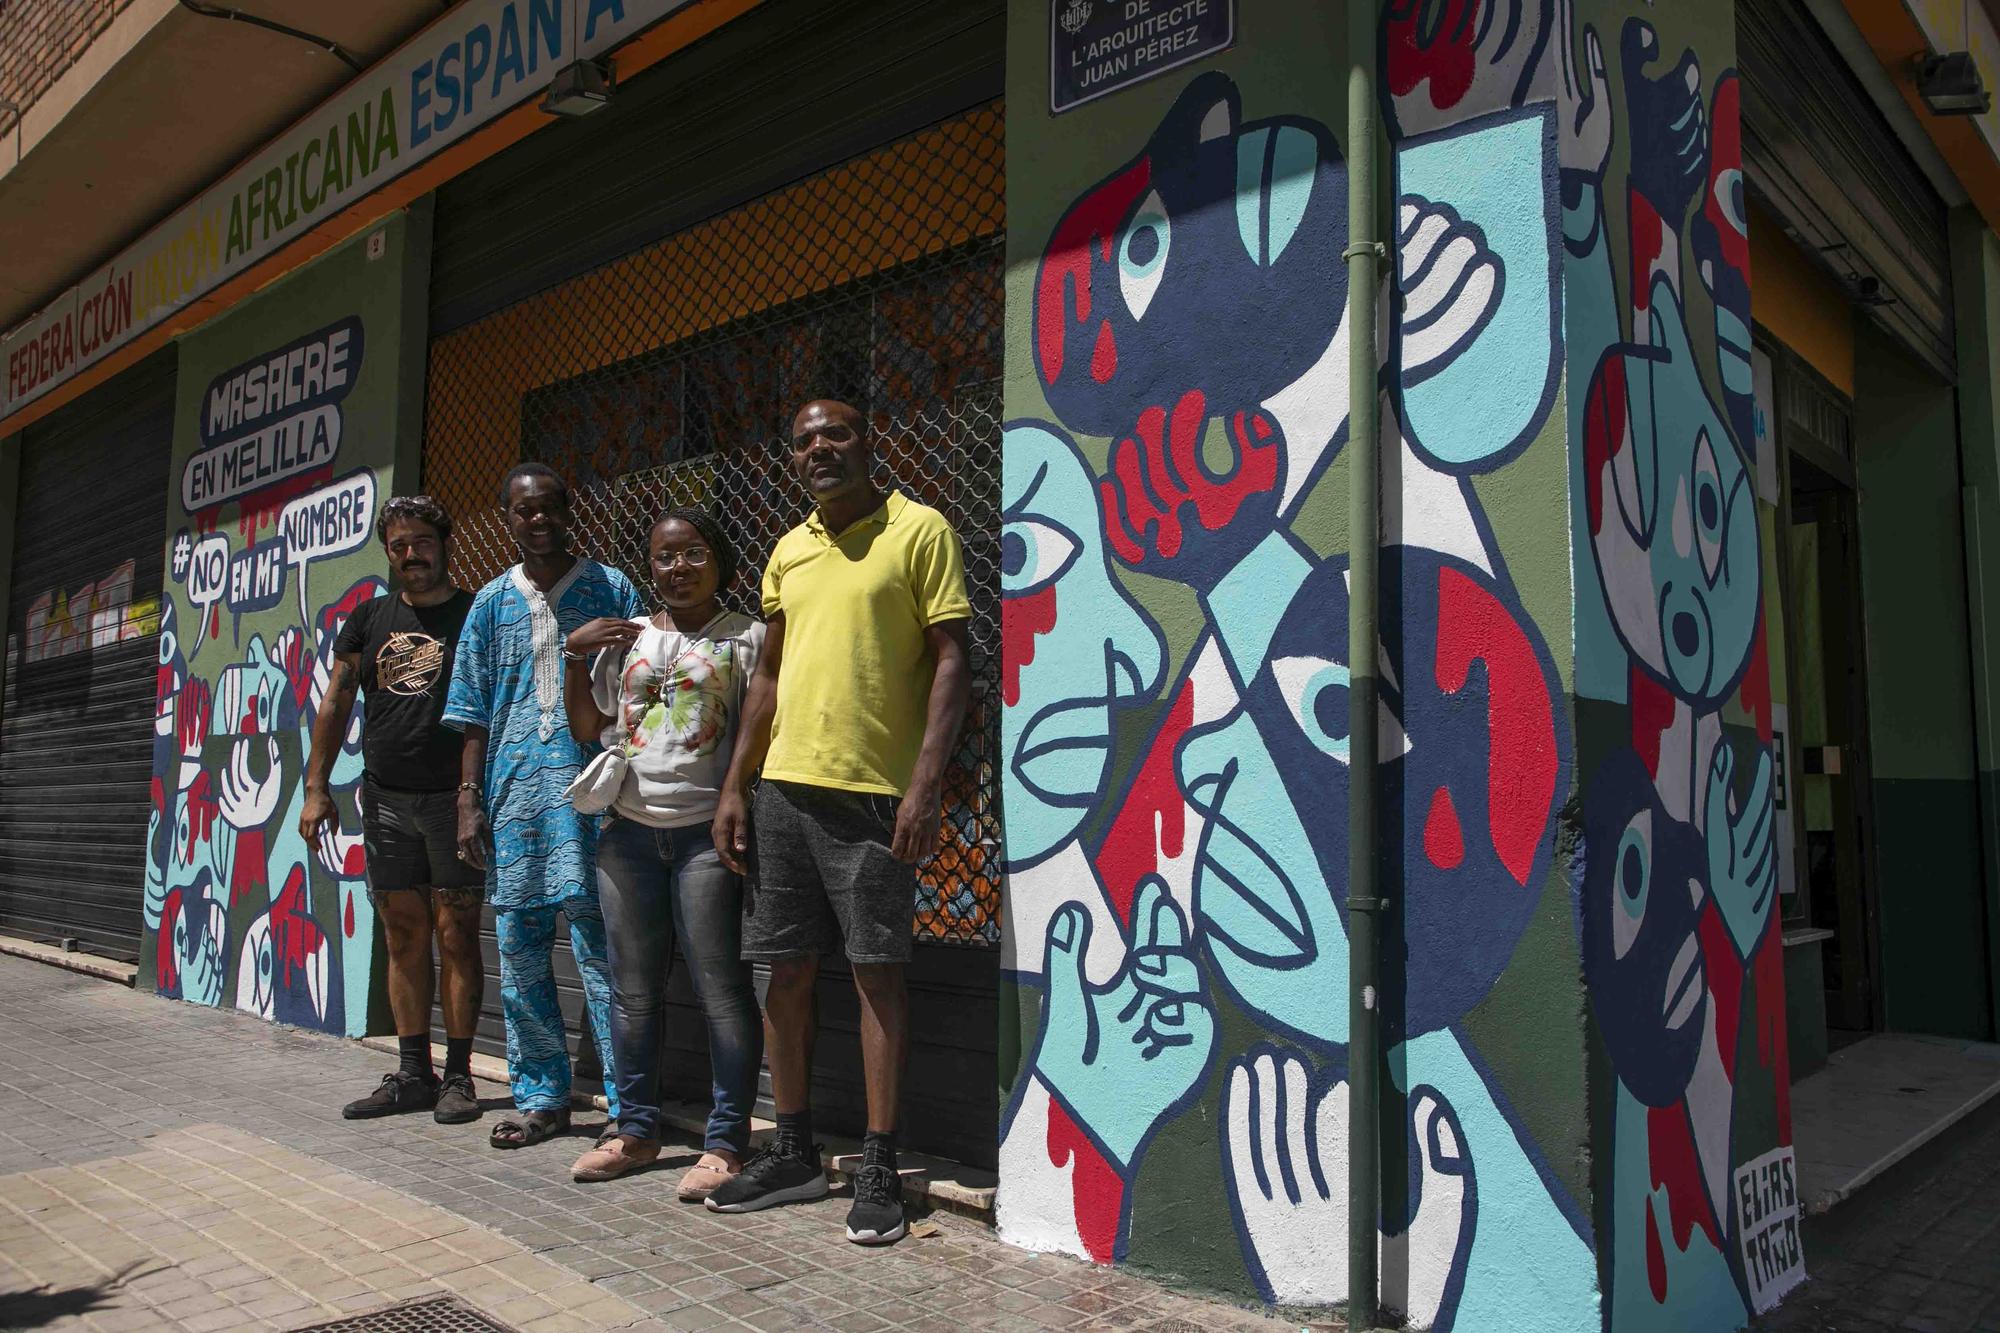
(207,580)
(331,521)
(274,417)
(257,577)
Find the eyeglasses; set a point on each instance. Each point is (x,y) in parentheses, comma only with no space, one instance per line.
(695,557)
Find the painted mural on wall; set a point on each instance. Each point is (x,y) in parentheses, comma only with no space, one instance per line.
(1697,1186)
(1176,726)
(284,440)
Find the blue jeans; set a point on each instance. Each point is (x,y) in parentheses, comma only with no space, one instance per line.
(654,883)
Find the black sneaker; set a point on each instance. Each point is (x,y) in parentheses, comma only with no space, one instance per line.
(399,1092)
(877,1215)
(775,1175)
(456,1101)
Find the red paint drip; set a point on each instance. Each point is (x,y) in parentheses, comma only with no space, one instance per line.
(1656,1257)
(1603,434)
(294,936)
(1774,1050)
(1676,1167)
(1649,246)
(1023,619)
(1104,356)
(246,876)
(1449,59)
(1725,977)
(1099,1192)
(1521,761)
(1153,819)
(347,916)
(1157,472)
(1652,714)
(1090,224)
(203,807)
(1444,840)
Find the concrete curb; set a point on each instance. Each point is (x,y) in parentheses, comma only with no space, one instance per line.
(1826,1200)
(70,960)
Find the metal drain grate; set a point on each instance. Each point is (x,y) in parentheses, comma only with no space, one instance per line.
(432,1314)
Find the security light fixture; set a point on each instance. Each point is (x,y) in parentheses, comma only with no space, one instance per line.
(579,89)
(1950,85)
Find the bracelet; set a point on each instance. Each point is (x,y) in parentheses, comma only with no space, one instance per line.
(569,656)
(472,787)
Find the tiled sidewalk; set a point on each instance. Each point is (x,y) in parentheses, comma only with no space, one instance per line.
(195,1153)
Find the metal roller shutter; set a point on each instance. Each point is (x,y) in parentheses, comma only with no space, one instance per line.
(1825,162)
(82,647)
(640,298)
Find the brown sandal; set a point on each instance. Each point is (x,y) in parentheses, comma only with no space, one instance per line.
(528,1129)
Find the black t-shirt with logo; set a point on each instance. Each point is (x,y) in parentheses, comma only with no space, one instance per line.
(405,672)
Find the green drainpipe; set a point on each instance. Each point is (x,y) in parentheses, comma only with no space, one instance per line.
(1365,257)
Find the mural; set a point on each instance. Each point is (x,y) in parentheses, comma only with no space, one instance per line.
(96,615)
(1698,1207)
(281,448)
(1175,728)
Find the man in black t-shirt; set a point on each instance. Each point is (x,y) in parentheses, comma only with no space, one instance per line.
(398,650)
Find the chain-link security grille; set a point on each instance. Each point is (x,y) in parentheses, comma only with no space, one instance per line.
(671,377)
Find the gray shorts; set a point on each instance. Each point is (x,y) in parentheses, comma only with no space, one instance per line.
(822,873)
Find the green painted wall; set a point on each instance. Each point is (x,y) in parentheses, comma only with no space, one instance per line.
(1930,887)
(1976,271)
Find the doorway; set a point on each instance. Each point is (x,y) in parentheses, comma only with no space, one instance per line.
(1829,717)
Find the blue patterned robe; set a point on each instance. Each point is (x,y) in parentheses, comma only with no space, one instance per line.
(507,682)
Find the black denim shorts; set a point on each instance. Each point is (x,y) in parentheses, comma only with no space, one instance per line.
(822,875)
(411,838)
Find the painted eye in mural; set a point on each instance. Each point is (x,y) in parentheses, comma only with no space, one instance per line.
(1034,552)
(1729,200)
(1315,690)
(1708,505)
(1142,254)
(1632,882)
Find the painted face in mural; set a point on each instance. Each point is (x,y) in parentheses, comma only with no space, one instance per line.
(1642,957)
(1474,757)
(1721,240)
(538,515)
(1672,513)
(1076,646)
(1176,297)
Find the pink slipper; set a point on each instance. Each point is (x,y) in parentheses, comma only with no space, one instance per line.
(712,1170)
(613,1157)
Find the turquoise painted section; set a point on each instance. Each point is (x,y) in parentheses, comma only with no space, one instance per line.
(1696,1209)
(1175,733)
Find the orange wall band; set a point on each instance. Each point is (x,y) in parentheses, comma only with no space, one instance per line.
(1798,301)
(682,29)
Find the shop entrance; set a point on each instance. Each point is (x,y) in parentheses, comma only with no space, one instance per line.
(1829,714)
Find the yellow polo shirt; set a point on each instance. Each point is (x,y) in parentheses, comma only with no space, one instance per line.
(854,678)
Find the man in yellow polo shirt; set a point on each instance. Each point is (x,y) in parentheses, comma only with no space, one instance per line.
(851,713)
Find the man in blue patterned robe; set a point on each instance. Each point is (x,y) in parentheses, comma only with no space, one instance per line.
(538,852)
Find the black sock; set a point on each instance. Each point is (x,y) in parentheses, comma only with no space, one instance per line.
(458,1056)
(416,1052)
(878,1148)
(795,1134)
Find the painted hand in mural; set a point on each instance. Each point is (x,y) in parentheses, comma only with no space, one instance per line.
(248,800)
(1285,1151)
(1585,141)
(1450,282)
(1122,1056)
(1669,124)
(1742,847)
(1447,59)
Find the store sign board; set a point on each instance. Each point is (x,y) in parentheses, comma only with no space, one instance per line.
(1099,46)
(483,58)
